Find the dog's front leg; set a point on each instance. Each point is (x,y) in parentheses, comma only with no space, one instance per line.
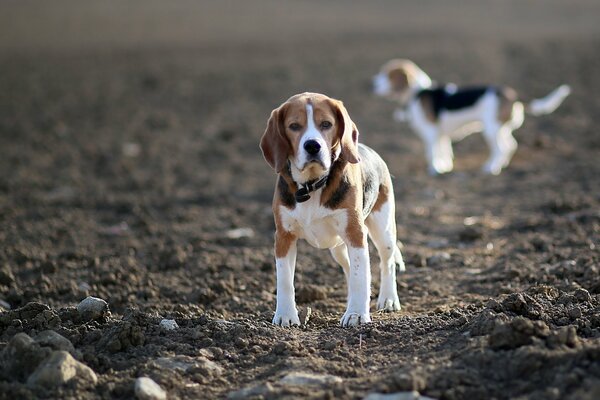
(286,313)
(358,278)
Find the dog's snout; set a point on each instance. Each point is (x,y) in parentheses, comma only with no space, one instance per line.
(312,147)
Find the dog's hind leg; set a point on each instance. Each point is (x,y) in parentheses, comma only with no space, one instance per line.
(382,230)
(340,255)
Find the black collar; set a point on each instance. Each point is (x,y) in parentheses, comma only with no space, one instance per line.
(303,193)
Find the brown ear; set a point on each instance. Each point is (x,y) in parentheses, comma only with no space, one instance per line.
(347,133)
(274,144)
(401,78)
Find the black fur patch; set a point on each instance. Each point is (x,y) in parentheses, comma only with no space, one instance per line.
(339,194)
(444,99)
(287,197)
(370,187)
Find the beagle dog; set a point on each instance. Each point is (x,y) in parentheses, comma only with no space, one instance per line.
(332,192)
(441,114)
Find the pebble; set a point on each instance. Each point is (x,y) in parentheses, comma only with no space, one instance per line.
(168,324)
(251,392)
(54,340)
(92,308)
(414,395)
(146,389)
(309,379)
(59,368)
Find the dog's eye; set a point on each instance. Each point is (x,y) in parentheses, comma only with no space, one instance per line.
(295,126)
(326,125)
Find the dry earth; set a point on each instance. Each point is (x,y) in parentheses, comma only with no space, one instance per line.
(130,171)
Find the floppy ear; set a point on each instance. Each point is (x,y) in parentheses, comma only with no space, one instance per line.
(400,78)
(274,144)
(347,133)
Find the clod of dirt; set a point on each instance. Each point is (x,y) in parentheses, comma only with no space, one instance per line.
(304,315)
(582,295)
(309,379)
(168,324)
(565,336)
(519,332)
(59,368)
(55,341)
(522,304)
(414,395)
(92,308)
(486,321)
(146,389)
(31,316)
(310,293)
(121,337)
(21,357)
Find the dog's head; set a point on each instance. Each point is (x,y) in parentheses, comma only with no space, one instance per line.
(398,79)
(311,131)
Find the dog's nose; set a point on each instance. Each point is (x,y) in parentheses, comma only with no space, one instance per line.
(312,147)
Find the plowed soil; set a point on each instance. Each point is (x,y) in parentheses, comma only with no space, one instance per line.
(130,171)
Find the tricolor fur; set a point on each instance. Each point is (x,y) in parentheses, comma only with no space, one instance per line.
(442,114)
(307,138)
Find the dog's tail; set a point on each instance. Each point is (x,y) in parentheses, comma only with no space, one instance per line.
(548,104)
(398,259)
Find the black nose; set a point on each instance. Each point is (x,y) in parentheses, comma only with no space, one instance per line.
(312,147)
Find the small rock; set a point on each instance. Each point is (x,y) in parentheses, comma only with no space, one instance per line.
(146,389)
(59,369)
(239,233)
(92,308)
(187,364)
(251,392)
(21,356)
(407,382)
(168,324)
(414,395)
(55,341)
(309,379)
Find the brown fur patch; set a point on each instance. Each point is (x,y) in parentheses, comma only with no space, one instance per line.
(382,197)
(507,98)
(427,106)
(283,238)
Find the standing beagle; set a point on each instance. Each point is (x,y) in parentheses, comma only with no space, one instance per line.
(441,114)
(331,191)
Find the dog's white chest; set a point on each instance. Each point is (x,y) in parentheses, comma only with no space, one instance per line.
(318,225)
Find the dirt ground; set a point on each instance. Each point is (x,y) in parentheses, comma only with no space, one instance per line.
(130,171)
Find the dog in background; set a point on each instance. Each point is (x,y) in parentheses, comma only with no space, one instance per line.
(441,114)
(332,192)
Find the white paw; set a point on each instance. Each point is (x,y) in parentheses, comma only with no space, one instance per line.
(354,319)
(288,318)
(492,168)
(388,303)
